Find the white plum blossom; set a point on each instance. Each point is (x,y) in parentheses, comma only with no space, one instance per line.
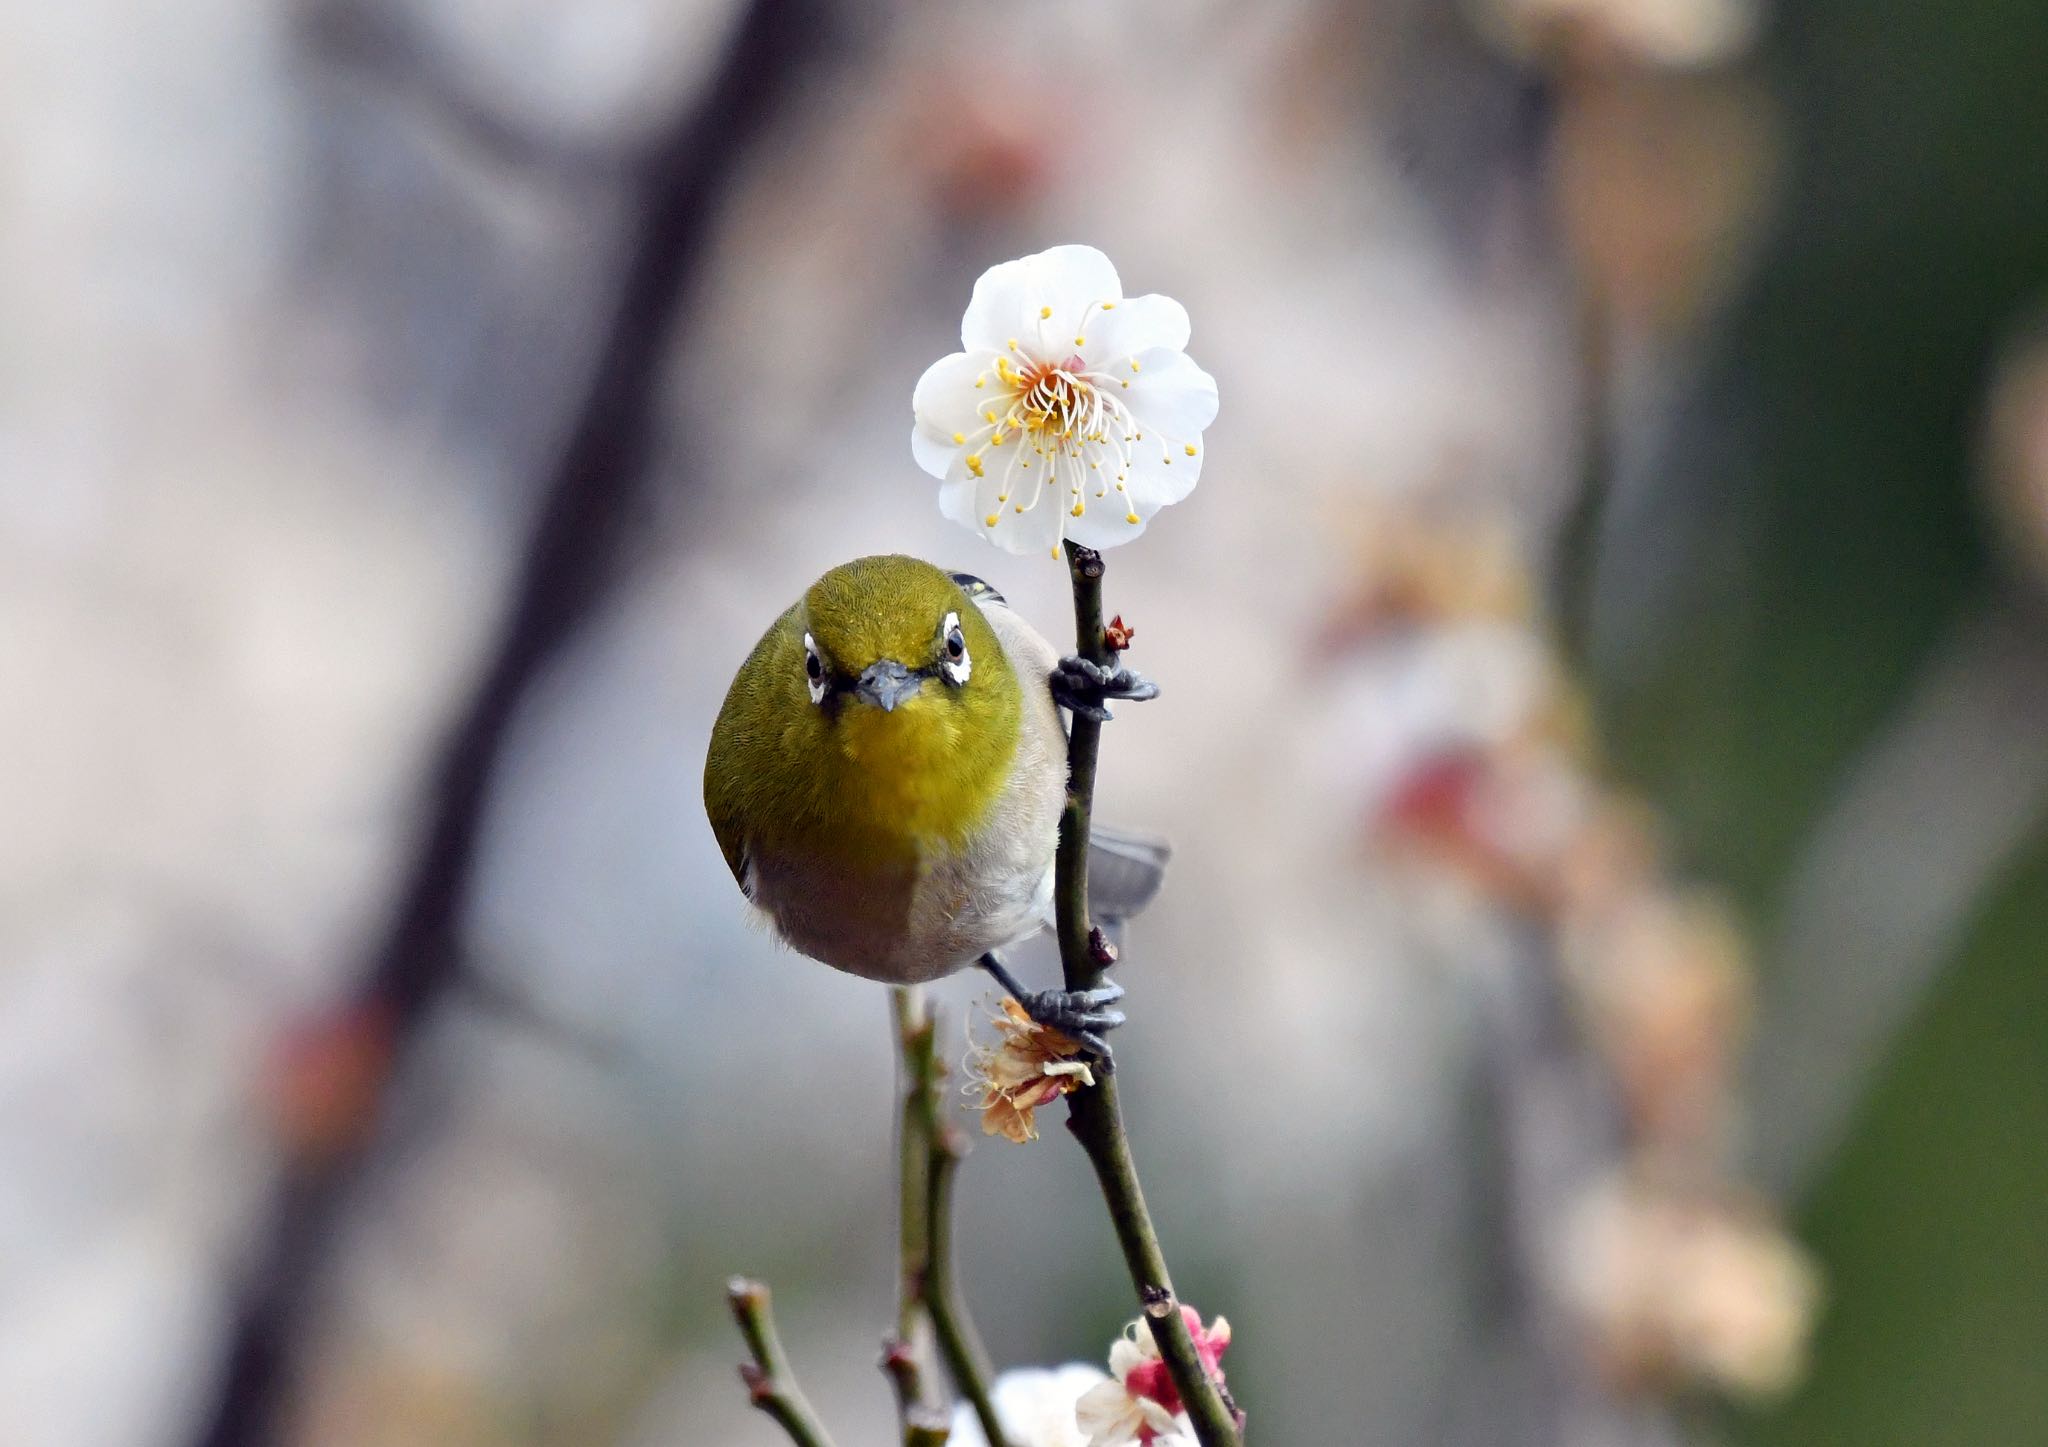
(1036,1407)
(1072,411)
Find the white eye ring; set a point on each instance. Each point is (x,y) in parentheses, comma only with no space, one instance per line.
(953,660)
(815,676)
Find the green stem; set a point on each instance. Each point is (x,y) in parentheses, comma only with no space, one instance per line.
(907,1353)
(770,1385)
(959,1346)
(1094,1115)
(931,1154)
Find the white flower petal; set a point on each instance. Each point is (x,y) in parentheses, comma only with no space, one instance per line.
(1124,1354)
(935,457)
(1156,1416)
(958,503)
(1136,324)
(1107,524)
(1170,393)
(1108,1415)
(945,401)
(1035,530)
(1009,300)
(1037,1408)
(1154,481)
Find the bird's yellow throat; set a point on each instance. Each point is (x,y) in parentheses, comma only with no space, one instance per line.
(920,777)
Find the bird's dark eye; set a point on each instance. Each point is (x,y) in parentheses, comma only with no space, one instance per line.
(955,664)
(814,672)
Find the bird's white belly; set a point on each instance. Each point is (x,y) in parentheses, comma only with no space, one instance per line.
(906,924)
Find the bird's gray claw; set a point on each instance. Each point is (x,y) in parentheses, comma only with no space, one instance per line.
(1085,687)
(1082,1015)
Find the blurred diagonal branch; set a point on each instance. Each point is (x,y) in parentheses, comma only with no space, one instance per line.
(1938,803)
(674,189)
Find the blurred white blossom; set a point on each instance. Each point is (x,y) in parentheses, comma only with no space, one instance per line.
(1036,1406)
(1072,411)
(1675,1288)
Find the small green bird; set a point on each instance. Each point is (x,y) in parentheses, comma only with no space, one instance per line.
(887,774)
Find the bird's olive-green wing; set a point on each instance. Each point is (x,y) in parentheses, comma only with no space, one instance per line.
(739,759)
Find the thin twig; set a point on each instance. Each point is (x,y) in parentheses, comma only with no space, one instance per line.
(905,1355)
(771,1385)
(1094,1115)
(959,1344)
(931,1157)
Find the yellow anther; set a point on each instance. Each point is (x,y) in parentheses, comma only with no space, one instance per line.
(1077,509)
(1013,344)
(1134,365)
(1109,306)
(1189,449)
(958,438)
(1020,507)
(1127,384)
(990,520)
(1130,517)
(982,380)
(1080,341)
(974,463)
(997,440)
(1044,312)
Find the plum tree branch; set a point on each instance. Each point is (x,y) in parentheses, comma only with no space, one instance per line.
(1094,1114)
(931,1155)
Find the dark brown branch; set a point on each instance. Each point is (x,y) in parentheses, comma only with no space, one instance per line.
(677,186)
(1094,1116)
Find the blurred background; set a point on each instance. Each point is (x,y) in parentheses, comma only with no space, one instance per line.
(1598,998)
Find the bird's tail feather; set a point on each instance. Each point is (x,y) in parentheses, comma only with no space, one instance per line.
(1125,871)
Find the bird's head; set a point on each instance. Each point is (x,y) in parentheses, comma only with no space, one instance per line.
(909,688)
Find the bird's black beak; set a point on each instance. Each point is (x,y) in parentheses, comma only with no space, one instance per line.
(887,683)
